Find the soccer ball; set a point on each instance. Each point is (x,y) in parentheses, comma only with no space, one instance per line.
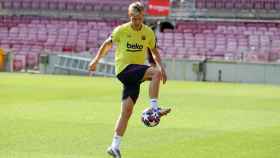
(150,117)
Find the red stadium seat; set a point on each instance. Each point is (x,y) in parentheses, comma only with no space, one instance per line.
(19,62)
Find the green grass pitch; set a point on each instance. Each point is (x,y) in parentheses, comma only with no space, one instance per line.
(44,116)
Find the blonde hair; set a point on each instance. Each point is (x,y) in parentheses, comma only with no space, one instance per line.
(135,8)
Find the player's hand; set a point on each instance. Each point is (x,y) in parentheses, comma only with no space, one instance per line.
(92,65)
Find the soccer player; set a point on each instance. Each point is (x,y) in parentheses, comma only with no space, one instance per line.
(132,40)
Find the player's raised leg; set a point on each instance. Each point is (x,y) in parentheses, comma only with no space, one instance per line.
(154,74)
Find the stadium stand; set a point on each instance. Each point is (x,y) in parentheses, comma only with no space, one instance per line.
(238,4)
(240,9)
(78,5)
(29,28)
(29,37)
(64,8)
(249,41)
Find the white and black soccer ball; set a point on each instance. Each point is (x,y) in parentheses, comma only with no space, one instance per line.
(150,117)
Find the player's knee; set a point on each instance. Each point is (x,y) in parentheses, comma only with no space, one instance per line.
(156,74)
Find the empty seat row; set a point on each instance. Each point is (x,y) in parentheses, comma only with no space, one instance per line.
(229,40)
(238,4)
(79,5)
(27,38)
(56,34)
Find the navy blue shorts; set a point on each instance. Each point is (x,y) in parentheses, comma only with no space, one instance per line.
(131,78)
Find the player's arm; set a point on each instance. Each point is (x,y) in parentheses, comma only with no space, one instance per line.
(103,50)
(157,60)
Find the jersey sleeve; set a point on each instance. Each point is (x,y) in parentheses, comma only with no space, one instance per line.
(115,36)
(152,40)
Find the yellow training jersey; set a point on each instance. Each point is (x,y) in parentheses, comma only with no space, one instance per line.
(131,45)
